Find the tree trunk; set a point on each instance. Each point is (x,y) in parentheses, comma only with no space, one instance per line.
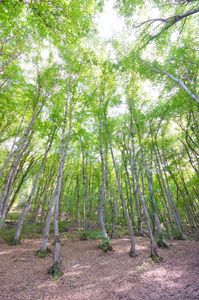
(101,195)
(84,237)
(180,233)
(154,250)
(23,140)
(47,223)
(109,197)
(9,182)
(154,204)
(23,178)
(21,220)
(140,231)
(55,270)
(132,251)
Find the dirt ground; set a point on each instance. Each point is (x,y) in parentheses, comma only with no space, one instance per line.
(90,273)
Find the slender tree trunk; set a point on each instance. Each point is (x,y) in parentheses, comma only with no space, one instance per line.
(23,140)
(154,204)
(190,198)
(43,208)
(78,217)
(166,206)
(55,270)
(10,181)
(180,233)
(154,249)
(130,191)
(91,205)
(21,220)
(101,195)
(84,237)
(47,223)
(23,178)
(109,196)
(132,251)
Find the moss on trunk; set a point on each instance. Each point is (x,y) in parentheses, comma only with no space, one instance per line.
(132,254)
(155,258)
(55,270)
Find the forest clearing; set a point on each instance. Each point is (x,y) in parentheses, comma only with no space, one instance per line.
(89,273)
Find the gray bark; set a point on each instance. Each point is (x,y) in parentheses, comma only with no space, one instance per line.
(9,182)
(168,196)
(21,220)
(23,139)
(153,244)
(132,251)
(157,221)
(47,223)
(101,195)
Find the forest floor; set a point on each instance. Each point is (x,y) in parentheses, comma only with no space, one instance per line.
(91,273)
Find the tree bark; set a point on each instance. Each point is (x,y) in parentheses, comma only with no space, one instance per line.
(154,204)
(132,251)
(21,220)
(101,195)
(154,250)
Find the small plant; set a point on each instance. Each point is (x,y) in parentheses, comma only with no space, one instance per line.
(160,240)
(105,245)
(2,223)
(14,216)
(63,226)
(150,259)
(8,236)
(93,235)
(144,264)
(30,284)
(42,254)
(175,251)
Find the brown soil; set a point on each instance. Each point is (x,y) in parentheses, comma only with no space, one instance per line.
(90,273)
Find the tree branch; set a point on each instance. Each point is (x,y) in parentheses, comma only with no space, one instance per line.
(158,70)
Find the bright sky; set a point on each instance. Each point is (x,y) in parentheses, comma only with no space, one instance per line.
(109,22)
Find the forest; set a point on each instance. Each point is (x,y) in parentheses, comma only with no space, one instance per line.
(99,135)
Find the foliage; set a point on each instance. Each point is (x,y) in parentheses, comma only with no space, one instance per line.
(160,239)
(42,254)
(58,79)
(93,235)
(105,245)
